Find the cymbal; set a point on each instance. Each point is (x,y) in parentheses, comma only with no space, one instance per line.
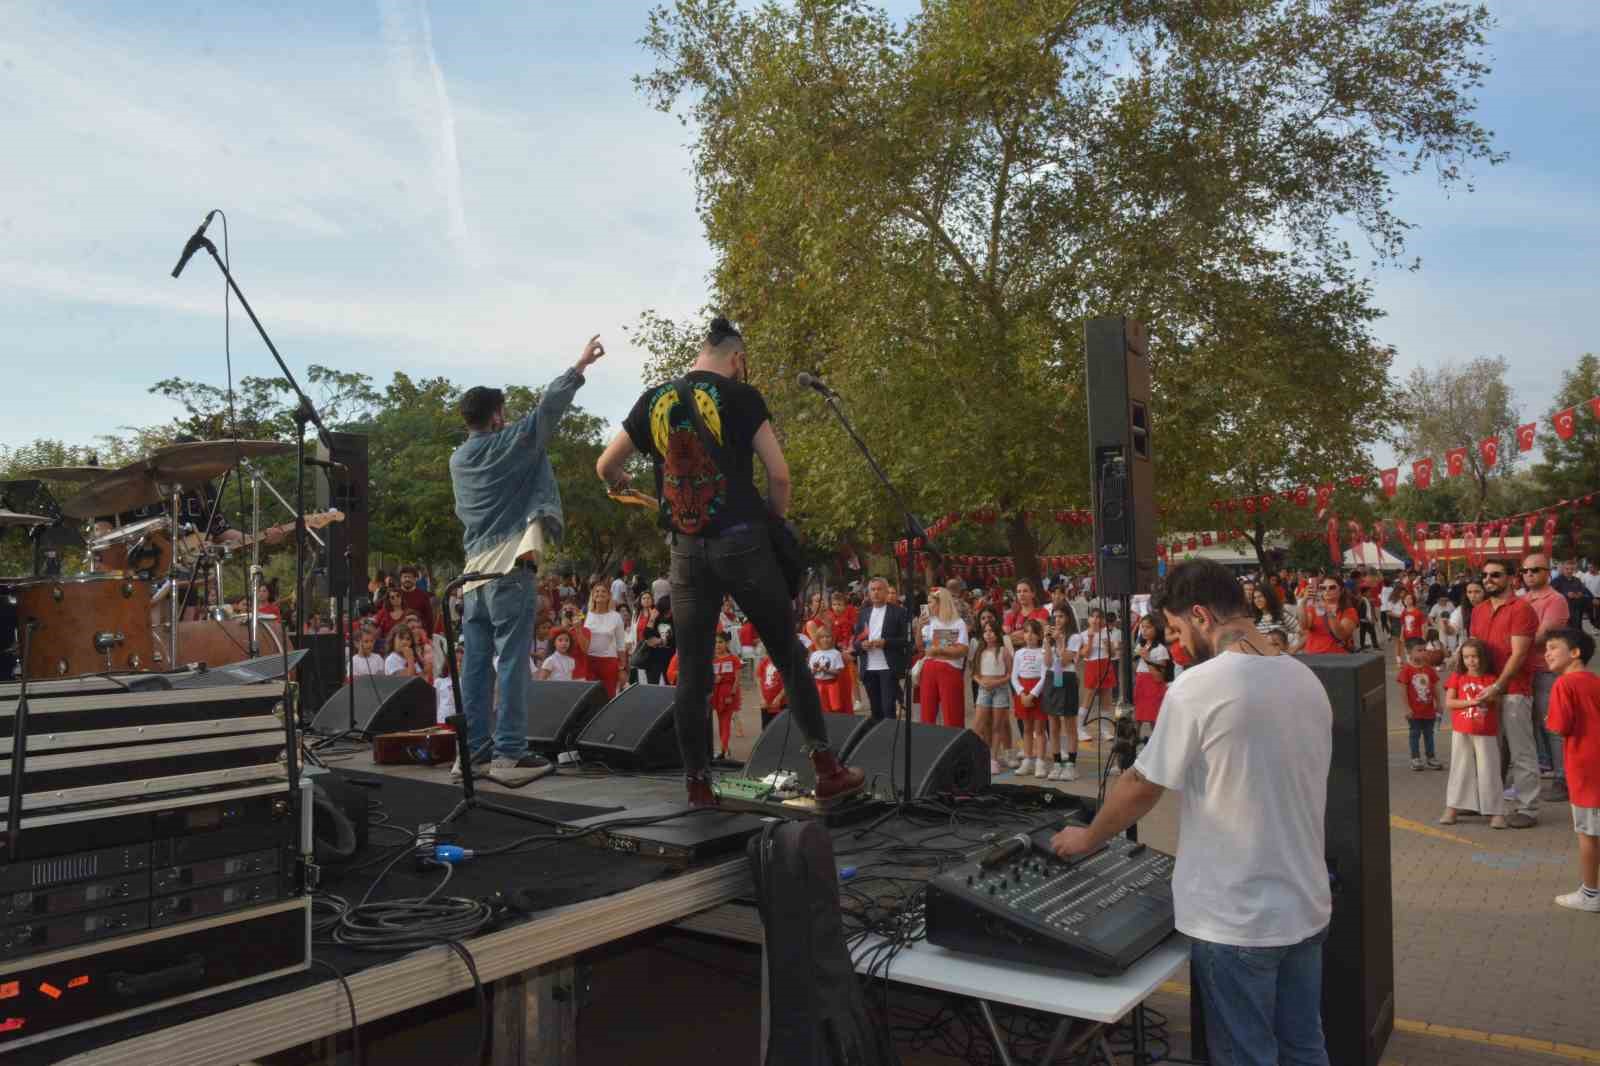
(71,473)
(147,480)
(12,518)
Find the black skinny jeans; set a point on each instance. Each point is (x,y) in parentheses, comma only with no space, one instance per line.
(704,569)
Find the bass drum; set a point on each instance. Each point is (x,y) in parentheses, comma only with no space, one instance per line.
(221,642)
(89,624)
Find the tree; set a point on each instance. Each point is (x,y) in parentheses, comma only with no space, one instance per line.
(927,212)
(1457,406)
(1571,468)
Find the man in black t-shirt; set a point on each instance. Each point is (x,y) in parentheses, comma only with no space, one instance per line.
(716,525)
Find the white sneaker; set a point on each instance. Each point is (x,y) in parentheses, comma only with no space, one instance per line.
(514,773)
(1083,734)
(1041,768)
(995,767)
(1058,772)
(1014,760)
(1069,772)
(1577,901)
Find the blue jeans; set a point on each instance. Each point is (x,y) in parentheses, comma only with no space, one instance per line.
(1263,1006)
(1549,745)
(1421,727)
(497,624)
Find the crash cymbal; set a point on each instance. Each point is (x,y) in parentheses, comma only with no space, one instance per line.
(12,518)
(193,464)
(71,473)
(114,492)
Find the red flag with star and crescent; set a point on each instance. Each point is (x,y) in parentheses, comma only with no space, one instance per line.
(1422,473)
(1489,451)
(1389,479)
(1594,406)
(1455,462)
(1525,436)
(1566,422)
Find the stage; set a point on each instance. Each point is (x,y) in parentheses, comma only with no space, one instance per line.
(589,899)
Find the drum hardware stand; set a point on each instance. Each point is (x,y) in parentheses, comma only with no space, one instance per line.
(19,742)
(258,479)
(176,610)
(305,414)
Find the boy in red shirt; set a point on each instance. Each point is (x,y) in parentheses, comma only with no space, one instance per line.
(1421,683)
(774,700)
(1575,714)
(725,689)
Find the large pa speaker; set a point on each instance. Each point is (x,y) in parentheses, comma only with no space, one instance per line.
(346,491)
(634,731)
(558,711)
(942,759)
(1122,480)
(779,746)
(323,670)
(384,704)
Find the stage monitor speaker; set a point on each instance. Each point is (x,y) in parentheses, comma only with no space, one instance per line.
(1122,478)
(323,670)
(348,492)
(558,711)
(942,759)
(1358,956)
(634,731)
(383,705)
(778,747)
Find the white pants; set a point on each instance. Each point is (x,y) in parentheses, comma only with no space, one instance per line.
(1474,775)
(1516,725)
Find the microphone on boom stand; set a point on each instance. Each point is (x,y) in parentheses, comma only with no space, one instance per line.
(194,245)
(811,381)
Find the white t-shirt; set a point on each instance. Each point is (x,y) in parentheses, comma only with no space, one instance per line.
(829,661)
(660,588)
(363,665)
(444,700)
(949,633)
(1246,740)
(605,634)
(1591,582)
(394,663)
(1027,670)
(560,666)
(1158,653)
(876,660)
(1091,646)
(619,591)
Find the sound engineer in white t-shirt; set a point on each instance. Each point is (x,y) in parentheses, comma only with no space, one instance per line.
(1245,739)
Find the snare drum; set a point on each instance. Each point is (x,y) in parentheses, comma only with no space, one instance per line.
(88,624)
(140,548)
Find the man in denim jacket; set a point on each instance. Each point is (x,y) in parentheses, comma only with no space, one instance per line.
(509,502)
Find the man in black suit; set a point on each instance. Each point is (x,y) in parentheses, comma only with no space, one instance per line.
(881,648)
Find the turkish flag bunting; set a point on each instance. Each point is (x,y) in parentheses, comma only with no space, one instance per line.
(1489,451)
(1447,533)
(1249,505)
(1193,543)
(1324,497)
(1266,500)
(1525,436)
(1302,496)
(1422,473)
(1594,406)
(1389,479)
(1421,542)
(1333,535)
(1505,525)
(1455,461)
(1357,542)
(1566,422)
(1550,536)
(1379,535)
(1205,539)
(1527,533)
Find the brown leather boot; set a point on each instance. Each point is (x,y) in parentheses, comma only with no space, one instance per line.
(835,783)
(700,791)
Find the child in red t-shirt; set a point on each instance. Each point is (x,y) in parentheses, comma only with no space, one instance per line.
(725,689)
(1413,623)
(1575,714)
(774,699)
(1421,683)
(1474,744)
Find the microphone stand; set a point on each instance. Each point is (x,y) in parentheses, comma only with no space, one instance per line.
(305,414)
(914,531)
(458,721)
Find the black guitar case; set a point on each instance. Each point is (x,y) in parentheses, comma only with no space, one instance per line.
(816,1013)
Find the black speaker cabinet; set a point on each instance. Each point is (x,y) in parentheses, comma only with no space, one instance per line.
(942,759)
(778,747)
(346,491)
(322,671)
(383,705)
(634,731)
(1122,479)
(558,711)
(1358,956)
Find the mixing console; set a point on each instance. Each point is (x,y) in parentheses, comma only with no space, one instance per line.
(1098,913)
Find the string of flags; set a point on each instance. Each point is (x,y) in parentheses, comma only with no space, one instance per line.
(1564,422)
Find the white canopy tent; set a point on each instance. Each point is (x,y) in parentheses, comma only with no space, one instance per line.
(1369,554)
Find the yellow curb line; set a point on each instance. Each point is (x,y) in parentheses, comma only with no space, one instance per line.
(1410,826)
(1450,1032)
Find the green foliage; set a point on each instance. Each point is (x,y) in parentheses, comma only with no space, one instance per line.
(926,213)
(1571,468)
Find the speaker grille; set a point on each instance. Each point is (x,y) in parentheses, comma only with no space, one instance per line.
(634,731)
(559,710)
(942,760)
(383,705)
(779,746)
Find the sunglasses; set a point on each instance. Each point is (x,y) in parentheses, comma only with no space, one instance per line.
(1498,574)
(1534,569)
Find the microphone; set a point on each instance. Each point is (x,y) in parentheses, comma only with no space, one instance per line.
(338,468)
(194,244)
(811,381)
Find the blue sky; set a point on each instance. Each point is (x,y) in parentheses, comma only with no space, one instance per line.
(472,189)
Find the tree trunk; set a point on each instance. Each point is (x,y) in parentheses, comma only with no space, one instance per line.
(1024,551)
(1258,538)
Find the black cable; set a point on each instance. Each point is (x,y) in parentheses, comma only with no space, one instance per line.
(355,1030)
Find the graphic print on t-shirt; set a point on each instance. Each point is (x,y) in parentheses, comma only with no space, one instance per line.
(693,489)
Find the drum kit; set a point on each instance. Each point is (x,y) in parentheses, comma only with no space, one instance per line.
(126,613)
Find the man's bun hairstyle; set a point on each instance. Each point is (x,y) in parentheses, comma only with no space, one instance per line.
(721,330)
